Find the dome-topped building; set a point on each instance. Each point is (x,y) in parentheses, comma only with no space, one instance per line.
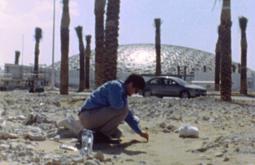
(140,58)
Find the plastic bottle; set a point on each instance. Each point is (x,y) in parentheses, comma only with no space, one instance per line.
(86,142)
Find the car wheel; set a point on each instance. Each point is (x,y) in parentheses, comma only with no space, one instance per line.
(184,94)
(147,94)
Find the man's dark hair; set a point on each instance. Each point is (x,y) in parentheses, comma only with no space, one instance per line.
(137,80)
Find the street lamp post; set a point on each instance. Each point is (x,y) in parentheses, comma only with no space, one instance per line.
(53,47)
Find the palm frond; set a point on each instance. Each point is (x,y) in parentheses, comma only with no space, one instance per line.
(157,22)
(243,22)
(38,34)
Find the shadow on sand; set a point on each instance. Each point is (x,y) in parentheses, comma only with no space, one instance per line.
(118,148)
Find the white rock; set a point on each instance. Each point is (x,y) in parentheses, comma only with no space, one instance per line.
(2,123)
(68,147)
(188,131)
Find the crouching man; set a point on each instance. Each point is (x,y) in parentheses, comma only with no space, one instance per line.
(107,107)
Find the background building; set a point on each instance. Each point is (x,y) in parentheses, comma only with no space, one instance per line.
(136,58)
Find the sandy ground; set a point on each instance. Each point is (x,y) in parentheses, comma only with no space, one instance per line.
(226,131)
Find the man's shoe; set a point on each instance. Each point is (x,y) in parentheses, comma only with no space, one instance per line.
(102,138)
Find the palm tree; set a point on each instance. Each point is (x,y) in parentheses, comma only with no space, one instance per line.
(243,77)
(225,47)
(99,37)
(88,53)
(217,63)
(38,37)
(185,72)
(157,23)
(17,55)
(239,68)
(111,39)
(178,70)
(65,21)
(233,68)
(78,30)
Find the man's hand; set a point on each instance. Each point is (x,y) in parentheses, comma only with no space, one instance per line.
(145,135)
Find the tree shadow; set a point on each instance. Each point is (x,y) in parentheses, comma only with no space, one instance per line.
(118,148)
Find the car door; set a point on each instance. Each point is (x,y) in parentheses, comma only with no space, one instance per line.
(155,86)
(177,88)
(164,91)
(173,88)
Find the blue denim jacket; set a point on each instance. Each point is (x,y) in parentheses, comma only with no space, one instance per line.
(111,94)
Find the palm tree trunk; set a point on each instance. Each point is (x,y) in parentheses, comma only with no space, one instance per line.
(36,59)
(111,39)
(78,30)
(225,40)
(217,63)
(157,23)
(185,72)
(178,71)
(88,54)
(17,55)
(243,77)
(64,48)
(99,37)
(233,68)
(38,36)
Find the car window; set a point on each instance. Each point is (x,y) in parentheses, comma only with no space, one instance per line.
(174,82)
(180,82)
(171,82)
(155,81)
(165,81)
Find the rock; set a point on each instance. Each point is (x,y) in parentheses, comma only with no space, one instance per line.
(92,162)
(54,162)
(206,118)
(19,117)
(68,147)
(202,163)
(2,123)
(30,119)
(4,146)
(202,149)
(220,154)
(142,162)
(34,136)
(78,159)
(56,138)
(188,131)
(162,125)
(36,159)
(99,156)
(5,135)
(171,127)
(226,159)
(176,117)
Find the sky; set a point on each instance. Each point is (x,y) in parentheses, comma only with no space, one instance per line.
(189,23)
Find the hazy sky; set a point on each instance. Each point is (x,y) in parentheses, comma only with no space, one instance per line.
(190,23)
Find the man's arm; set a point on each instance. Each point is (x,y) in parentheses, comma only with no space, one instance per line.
(135,125)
